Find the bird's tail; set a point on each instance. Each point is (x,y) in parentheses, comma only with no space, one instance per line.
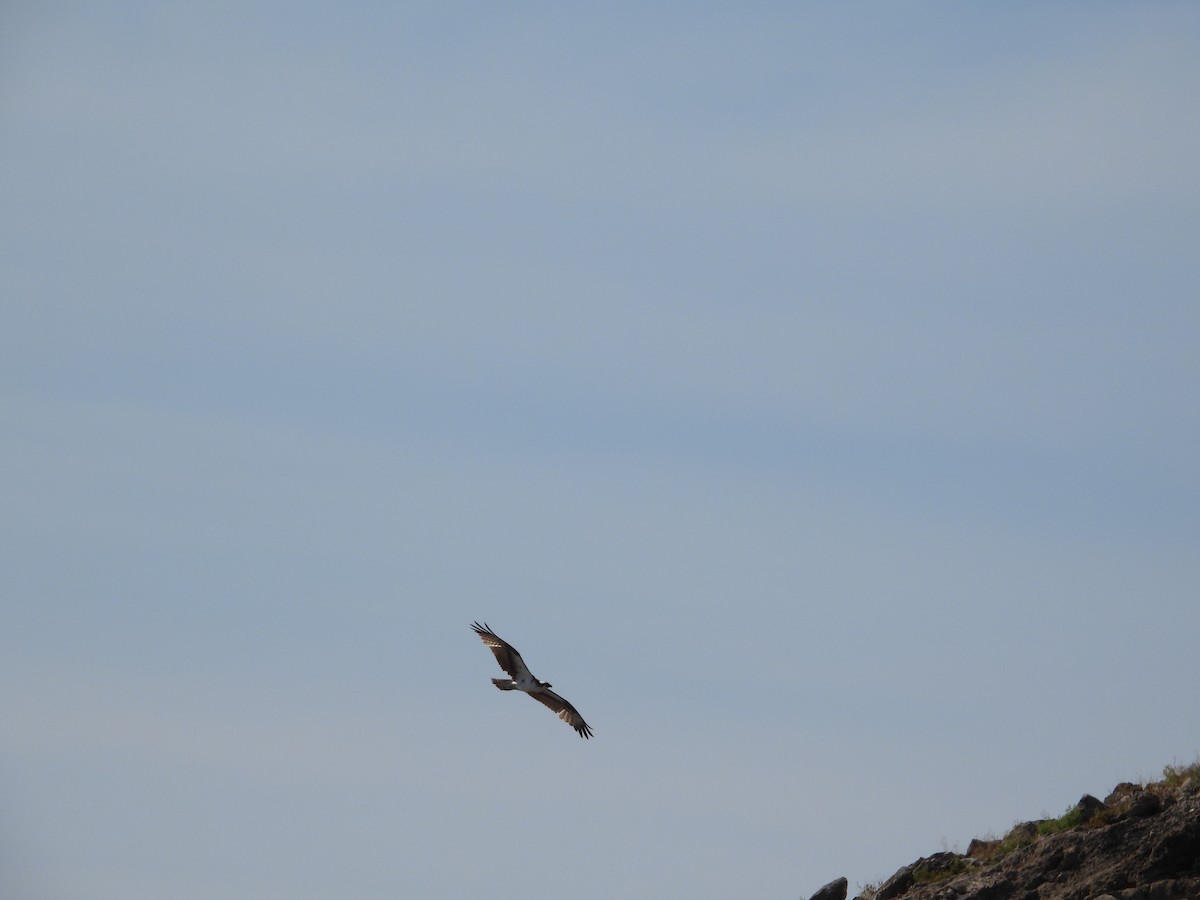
(505,684)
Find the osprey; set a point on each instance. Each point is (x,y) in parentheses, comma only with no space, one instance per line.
(522,680)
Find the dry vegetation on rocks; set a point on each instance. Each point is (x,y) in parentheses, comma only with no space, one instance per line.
(1142,842)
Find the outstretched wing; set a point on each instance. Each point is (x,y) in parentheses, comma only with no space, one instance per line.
(509,659)
(565,710)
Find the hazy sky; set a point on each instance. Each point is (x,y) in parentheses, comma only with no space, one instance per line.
(811,393)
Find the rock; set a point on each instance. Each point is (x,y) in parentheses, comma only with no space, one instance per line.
(1178,851)
(897,885)
(835,890)
(1024,831)
(1144,804)
(940,866)
(1142,844)
(978,849)
(1089,807)
(1120,792)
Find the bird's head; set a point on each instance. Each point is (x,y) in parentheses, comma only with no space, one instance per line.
(545,684)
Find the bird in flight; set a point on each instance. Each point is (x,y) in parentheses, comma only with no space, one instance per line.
(522,680)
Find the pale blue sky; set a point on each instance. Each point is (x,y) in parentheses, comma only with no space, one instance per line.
(809,392)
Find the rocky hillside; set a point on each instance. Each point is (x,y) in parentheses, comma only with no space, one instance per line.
(1142,842)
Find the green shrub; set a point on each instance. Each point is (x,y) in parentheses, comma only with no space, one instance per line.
(1173,776)
(1072,818)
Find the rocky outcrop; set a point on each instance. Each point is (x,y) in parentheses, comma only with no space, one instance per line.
(1139,843)
(835,890)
